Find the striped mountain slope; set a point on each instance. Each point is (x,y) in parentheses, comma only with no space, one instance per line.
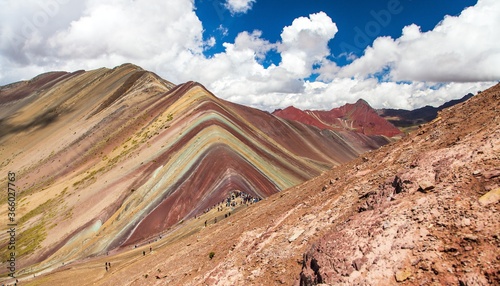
(112,157)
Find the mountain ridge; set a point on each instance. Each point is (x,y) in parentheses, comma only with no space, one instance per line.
(411,118)
(359,117)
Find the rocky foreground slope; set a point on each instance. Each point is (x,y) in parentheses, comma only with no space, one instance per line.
(421,211)
(110,158)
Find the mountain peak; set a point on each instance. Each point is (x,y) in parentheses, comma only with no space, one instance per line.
(362,102)
(129,66)
(290,108)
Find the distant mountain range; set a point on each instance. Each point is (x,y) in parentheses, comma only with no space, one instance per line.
(362,118)
(411,118)
(359,117)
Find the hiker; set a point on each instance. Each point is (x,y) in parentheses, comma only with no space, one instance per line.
(205,223)
(144,253)
(150,249)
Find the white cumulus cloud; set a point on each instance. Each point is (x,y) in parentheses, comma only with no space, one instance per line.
(239,6)
(305,43)
(465,48)
(72,35)
(239,75)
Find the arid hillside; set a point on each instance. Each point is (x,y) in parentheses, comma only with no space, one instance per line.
(111,158)
(420,211)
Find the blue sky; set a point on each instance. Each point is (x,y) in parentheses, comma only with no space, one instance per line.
(359,21)
(315,54)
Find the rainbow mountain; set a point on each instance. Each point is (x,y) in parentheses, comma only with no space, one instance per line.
(109,158)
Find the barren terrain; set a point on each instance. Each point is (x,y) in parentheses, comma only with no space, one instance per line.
(420,211)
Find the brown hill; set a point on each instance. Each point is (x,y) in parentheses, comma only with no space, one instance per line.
(110,158)
(421,211)
(359,117)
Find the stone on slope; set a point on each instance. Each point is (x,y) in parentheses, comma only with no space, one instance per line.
(402,275)
(490,197)
(295,235)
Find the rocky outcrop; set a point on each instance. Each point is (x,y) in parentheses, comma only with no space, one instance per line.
(433,222)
